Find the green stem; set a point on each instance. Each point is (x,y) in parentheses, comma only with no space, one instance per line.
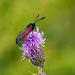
(39,71)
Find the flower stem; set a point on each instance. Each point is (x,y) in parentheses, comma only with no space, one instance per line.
(39,71)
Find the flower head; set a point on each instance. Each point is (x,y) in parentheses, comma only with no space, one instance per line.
(37,57)
(32,49)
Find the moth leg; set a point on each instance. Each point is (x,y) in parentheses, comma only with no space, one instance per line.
(35,28)
(32,34)
(29,35)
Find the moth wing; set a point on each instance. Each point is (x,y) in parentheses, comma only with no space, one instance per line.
(22,36)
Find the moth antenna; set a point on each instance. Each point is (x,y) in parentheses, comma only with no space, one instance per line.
(39,19)
(36,18)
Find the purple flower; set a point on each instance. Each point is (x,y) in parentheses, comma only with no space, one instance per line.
(32,49)
(43,73)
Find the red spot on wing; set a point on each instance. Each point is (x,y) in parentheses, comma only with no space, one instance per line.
(23,39)
(30,28)
(21,30)
(23,33)
(26,33)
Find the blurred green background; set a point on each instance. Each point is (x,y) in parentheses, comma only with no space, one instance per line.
(58,28)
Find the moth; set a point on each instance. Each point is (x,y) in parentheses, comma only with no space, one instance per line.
(24,33)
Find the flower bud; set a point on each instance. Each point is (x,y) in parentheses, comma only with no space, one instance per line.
(37,56)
